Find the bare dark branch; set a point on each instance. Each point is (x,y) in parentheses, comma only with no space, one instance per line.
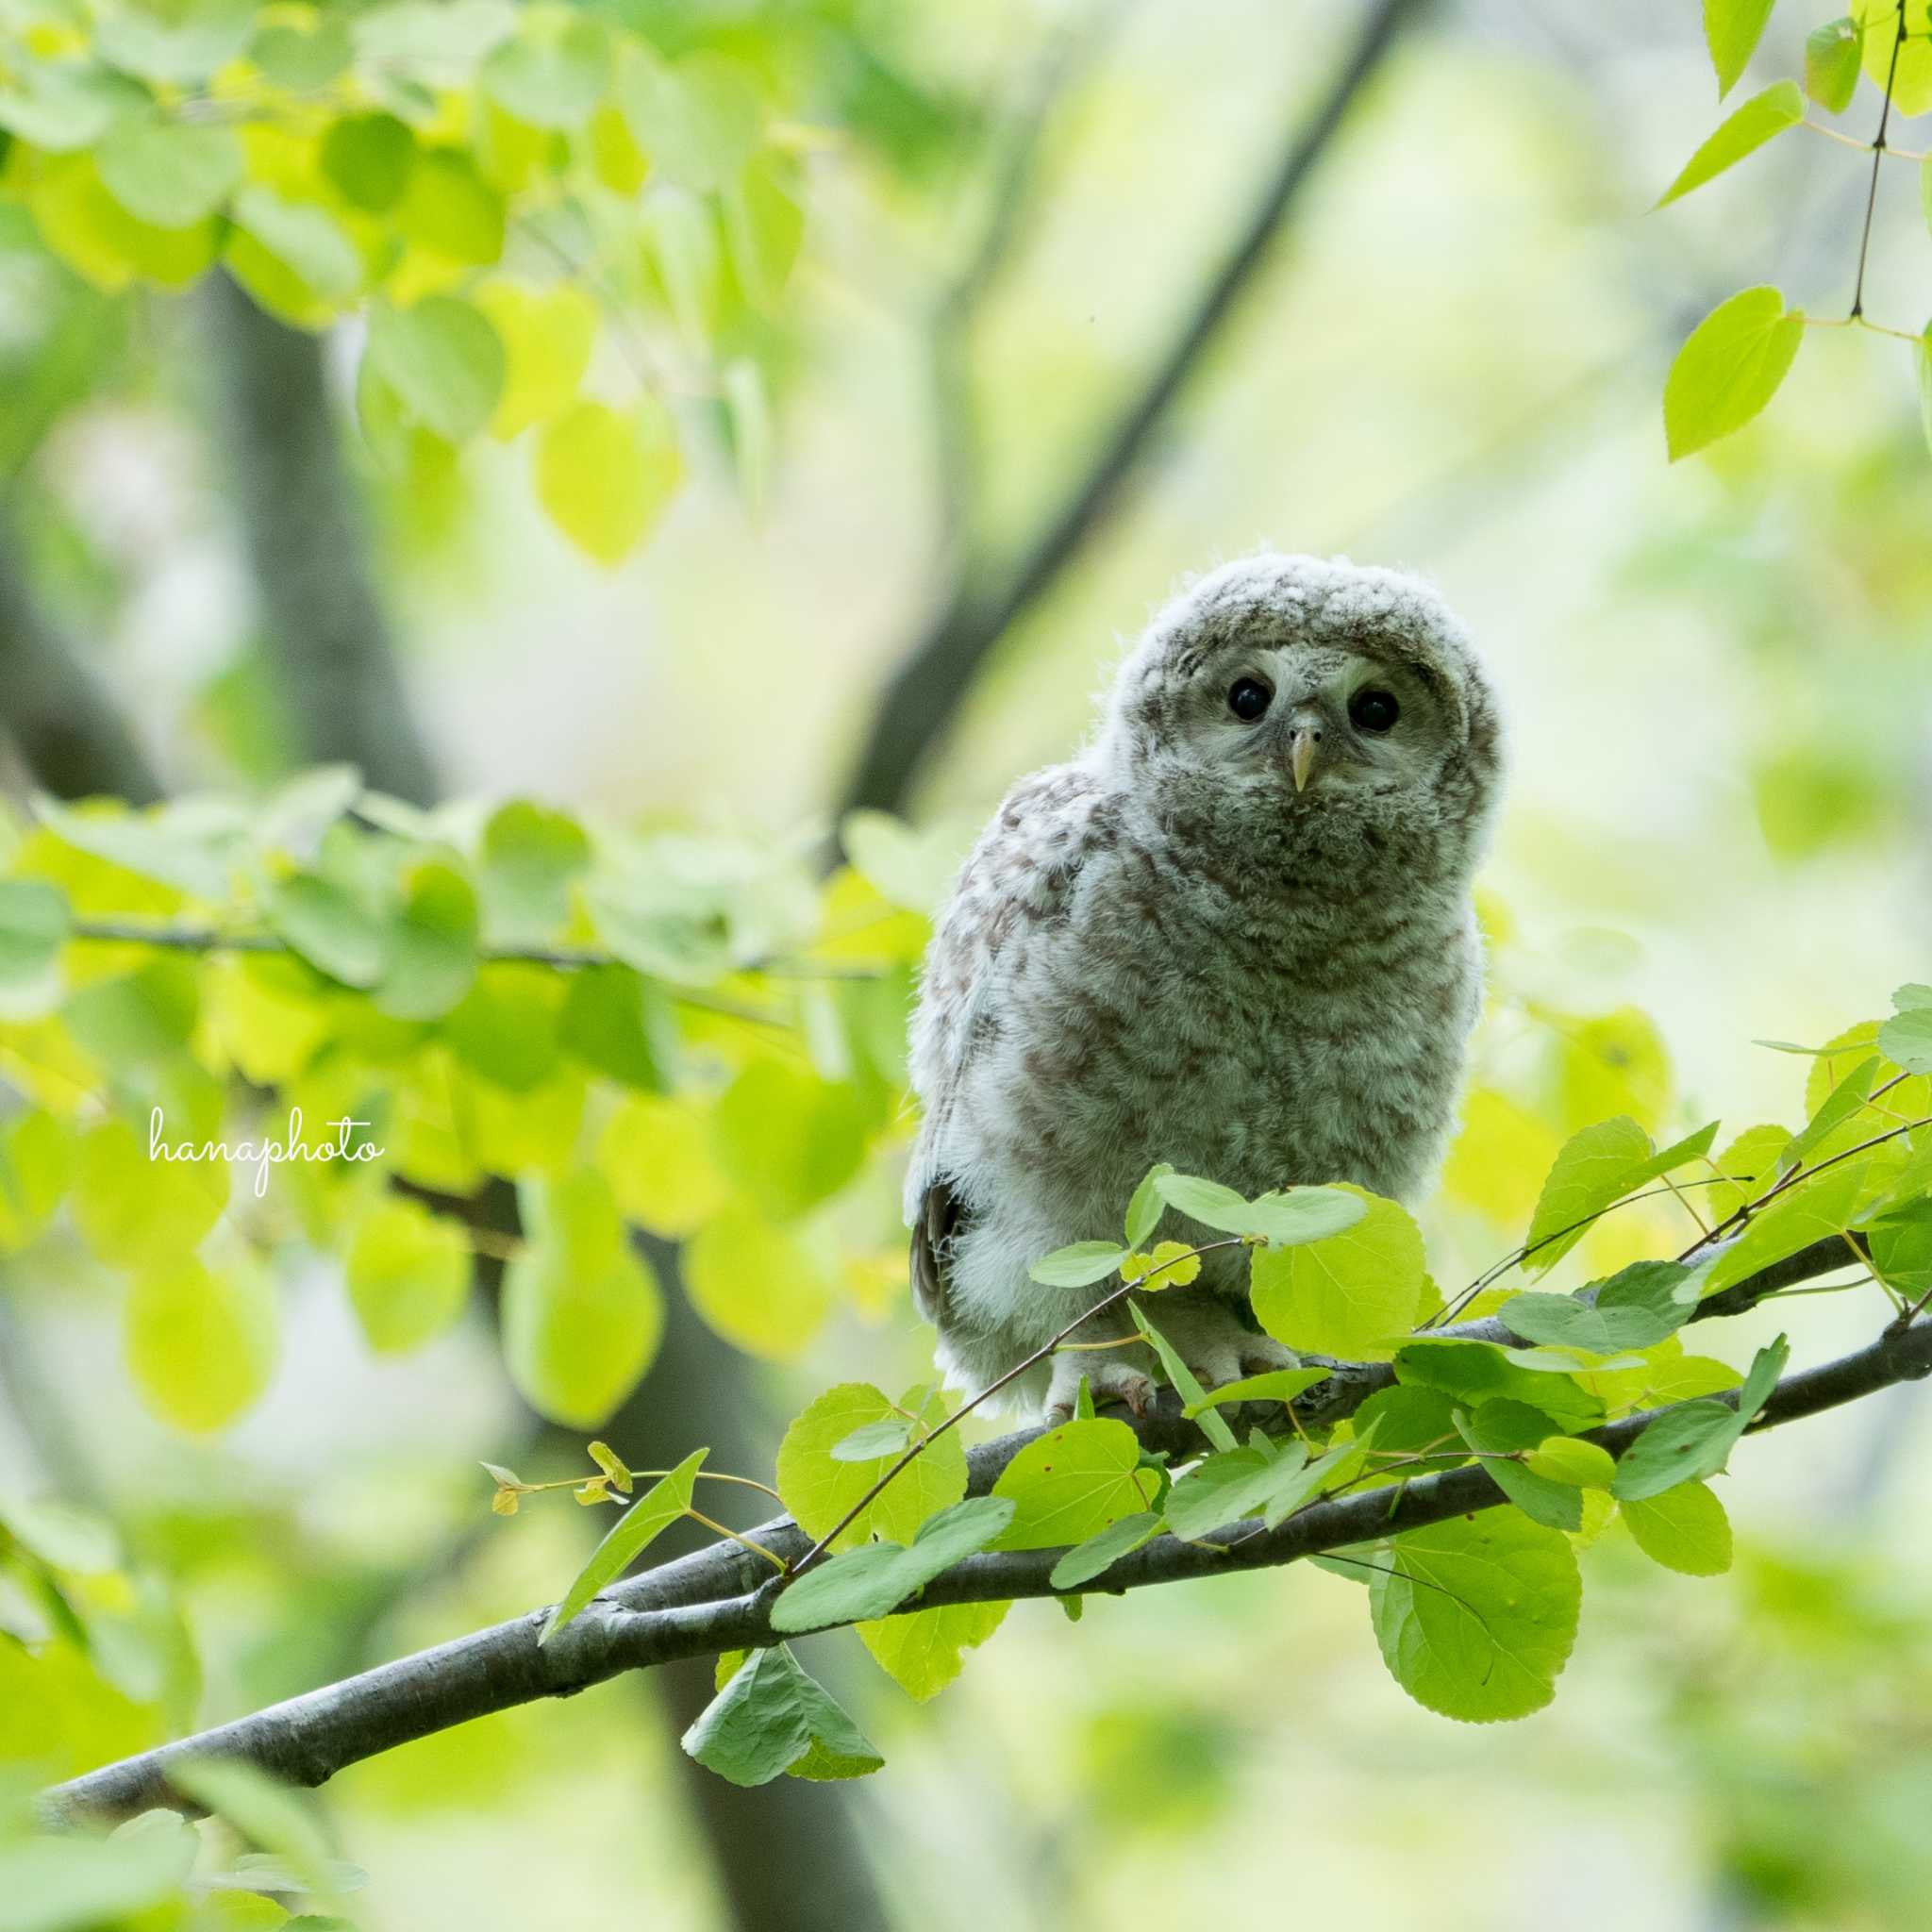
(926,690)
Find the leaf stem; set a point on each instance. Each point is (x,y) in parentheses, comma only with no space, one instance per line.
(776,1562)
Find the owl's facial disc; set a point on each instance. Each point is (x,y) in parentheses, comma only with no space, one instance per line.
(1319,723)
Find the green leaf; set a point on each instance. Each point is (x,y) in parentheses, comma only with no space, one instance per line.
(1695,1440)
(605,477)
(182,41)
(1637,1306)
(1478,1372)
(1831,64)
(871,1440)
(1844,1100)
(698,121)
(327,926)
(1071,1483)
(1496,1429)
(430,946)
(130,1207)
(266,1812)
(1227,1486)
(530,858)
(870,1582)
(922,1652)
(34,923)
(1240,1482)
(655,1511)
(135,1019)
(1684,1528)
(170,844)
(1905,1038)
(1570,1459)
(1146,1207)
(1475,1617)
(449,210)
(1811,1210)
(1729,367)
(582,1312)
(818,1486)
(170,173)
(548,336)
(407,1273)
(1289,1217)
(302,56)
(1588,1177)
(787,1137)
(1277,1385)
(553,72)
(1901,1248)
(201,1346)
(755,1283)
(1077,1266)
(370,158)
(443,358)
(1103,1549)
(305,238)
(1206,1201)
(1732,29)
(1410,1420)
(60,107)
(1905,64)
(1761,118)
(1213,1423)
(771,1718)
(612,1020)
(1350,1294)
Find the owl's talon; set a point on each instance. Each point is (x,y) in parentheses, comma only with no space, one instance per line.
(1109,1380)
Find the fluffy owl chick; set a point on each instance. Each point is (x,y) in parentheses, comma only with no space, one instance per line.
(1234,933)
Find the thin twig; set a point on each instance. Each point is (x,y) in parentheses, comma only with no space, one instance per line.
(1877,160)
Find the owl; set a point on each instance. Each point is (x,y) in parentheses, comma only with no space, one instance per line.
(1234,933)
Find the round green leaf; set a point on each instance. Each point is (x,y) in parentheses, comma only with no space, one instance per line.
(605,477)
(370,158)
(754,1284)
(1475,1617)
(582,1312)
(1684,1528)
(1729,367)
(201,1346)
(408,1275)
(1351,1295)
(1072,1483)
(553,72)
(443,358)
(171,173)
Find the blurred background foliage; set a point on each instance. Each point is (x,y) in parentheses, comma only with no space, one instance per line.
(230,548)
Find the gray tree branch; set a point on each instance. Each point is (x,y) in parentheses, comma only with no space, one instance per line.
(325,631)
(67,732)
(720,1598)
(925,691)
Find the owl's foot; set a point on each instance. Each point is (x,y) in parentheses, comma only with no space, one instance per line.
(1217,1349)
(1110,1379)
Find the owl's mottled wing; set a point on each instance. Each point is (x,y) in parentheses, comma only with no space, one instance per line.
(1019,878)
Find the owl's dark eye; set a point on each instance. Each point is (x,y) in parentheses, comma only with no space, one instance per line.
(1247,698)
(1374,711)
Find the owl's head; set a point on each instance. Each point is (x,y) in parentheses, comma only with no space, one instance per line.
(1338,703)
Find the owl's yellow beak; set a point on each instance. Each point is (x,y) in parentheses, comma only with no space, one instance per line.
(1301,754)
